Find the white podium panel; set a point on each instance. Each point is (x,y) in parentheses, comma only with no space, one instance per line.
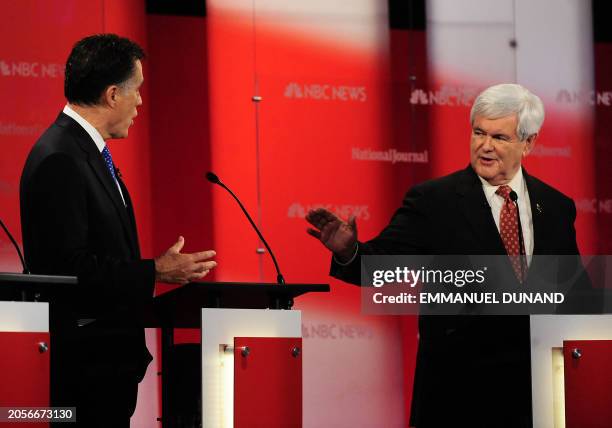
(24,317)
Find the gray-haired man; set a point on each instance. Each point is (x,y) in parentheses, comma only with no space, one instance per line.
(471,371)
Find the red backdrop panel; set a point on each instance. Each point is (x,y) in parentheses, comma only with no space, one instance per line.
(180,127)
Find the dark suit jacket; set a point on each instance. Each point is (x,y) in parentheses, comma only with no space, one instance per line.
(74,222)
(471,370)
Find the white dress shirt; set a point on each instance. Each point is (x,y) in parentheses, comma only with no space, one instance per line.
(496,203)
(93,133)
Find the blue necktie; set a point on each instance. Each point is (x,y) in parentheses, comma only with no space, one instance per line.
(108,160)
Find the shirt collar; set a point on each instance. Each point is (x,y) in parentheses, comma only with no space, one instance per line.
(517,184)
(88,127)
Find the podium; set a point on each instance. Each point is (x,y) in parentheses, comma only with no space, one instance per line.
(249,334)
(240,324)
(25,338)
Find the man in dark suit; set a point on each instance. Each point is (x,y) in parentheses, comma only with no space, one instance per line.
(77,219)
(471,370)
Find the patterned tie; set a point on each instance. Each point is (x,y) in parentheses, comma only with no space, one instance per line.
(508,229)
(108,160)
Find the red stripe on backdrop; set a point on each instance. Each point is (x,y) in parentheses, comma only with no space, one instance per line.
(324,101)
(233,151)
(179,135)
(410,133)
(179,132)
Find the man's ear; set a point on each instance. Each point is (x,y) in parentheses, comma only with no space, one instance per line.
(110,95)
(529,143)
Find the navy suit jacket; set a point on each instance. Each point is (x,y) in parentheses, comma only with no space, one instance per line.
(74,222)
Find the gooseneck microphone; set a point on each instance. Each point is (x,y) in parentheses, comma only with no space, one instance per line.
(215,180)
(522,251)
(23,263)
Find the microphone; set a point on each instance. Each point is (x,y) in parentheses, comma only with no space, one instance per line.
(210,176)
(23,263)
(522,252)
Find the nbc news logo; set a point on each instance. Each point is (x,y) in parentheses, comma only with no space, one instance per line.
(326,92)
(31,69)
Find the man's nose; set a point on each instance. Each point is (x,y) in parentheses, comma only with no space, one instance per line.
(488,143)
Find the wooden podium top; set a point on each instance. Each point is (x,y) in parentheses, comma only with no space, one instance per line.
(20,279)
(30,287)
(181,306)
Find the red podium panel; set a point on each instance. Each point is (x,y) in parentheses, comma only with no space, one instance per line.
(25,372)
(267,382)
(588,382)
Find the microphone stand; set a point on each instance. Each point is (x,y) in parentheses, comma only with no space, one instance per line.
(23,263)
(215,180)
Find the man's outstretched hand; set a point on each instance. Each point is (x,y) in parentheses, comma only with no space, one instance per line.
(337,235)
(174,267)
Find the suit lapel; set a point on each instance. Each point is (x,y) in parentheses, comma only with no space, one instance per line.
(537,211)
(474,206)
(96,162)
(130,211)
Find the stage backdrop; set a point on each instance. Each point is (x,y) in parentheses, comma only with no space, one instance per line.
(356,102)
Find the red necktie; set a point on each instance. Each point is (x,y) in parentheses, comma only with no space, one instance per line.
(508,229)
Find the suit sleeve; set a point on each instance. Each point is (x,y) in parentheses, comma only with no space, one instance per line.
(572,227)
(581,297)
(405,234)
(59,216)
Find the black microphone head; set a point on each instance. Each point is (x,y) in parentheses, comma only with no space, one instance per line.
(513,196)
(212,177)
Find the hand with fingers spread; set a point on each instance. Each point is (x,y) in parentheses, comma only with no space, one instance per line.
(337,235)
(173,267)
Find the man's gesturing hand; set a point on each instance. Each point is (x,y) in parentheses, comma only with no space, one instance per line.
(337,235)
(175,268)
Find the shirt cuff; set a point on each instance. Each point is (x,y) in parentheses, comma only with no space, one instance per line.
(351,260)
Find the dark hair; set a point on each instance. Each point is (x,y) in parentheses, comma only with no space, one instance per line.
(97,62)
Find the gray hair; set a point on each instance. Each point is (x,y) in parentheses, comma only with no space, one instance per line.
(509,98)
